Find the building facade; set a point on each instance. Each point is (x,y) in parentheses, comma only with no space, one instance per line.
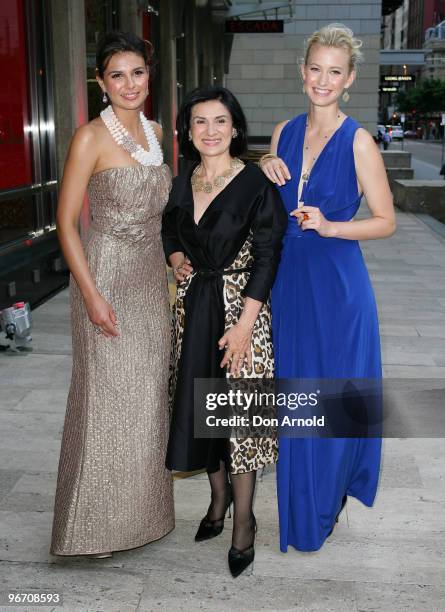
(395,28)
(47,53)
(434,47)
(54,91)
(423,14)
(30,262)
(264,68)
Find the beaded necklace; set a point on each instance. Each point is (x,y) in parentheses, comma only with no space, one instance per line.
(307,172)
(122,137)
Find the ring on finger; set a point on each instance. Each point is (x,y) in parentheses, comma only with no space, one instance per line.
(97,329)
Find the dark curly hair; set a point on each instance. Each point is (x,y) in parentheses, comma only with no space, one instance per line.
(120,42)
(238,145)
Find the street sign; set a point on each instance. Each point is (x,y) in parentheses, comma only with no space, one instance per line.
(251,26)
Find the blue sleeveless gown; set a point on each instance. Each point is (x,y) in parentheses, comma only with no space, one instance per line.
(324,326)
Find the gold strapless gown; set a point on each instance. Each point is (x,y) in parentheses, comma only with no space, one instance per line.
(113,491)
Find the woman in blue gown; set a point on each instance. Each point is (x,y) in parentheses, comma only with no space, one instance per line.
(323,307)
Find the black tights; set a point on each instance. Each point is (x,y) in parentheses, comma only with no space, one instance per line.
(243,489)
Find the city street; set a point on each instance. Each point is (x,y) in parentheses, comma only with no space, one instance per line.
(429,151)
(388,558)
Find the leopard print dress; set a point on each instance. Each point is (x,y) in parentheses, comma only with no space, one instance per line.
(252,453)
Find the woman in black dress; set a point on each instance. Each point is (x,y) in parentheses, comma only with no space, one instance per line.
(222,232)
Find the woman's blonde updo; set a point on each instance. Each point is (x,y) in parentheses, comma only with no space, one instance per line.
(337,35)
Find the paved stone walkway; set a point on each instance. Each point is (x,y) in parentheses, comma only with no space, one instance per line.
(389,558)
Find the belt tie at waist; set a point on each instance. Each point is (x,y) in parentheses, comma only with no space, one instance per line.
(209,273)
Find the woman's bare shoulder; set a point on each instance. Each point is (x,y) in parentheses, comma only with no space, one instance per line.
(279,127)
(89,133)
(362,139)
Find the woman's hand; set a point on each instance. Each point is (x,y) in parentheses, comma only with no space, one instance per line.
(275,169)
(102,316)
(181,266)
(237,343)
(311,217)
(182,270)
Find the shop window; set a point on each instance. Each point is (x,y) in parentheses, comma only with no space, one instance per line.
(15,147)
(17,217)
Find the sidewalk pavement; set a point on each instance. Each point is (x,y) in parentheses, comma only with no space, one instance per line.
(388,558)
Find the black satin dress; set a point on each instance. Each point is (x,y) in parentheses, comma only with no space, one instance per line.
(234,250)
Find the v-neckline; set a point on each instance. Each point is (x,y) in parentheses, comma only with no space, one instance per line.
(214,199)
(319,156)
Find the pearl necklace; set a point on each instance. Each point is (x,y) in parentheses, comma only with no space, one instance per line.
(207,186)
(122,137)
(306,174)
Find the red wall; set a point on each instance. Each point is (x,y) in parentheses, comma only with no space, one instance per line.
(433,13)
(15,153)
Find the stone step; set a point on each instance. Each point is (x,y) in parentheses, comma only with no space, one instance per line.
(399,173)
(397,159)
(420,196)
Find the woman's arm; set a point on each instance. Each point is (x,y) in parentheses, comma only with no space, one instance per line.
(268,228)
(81,161)
(173,248)
(371,175)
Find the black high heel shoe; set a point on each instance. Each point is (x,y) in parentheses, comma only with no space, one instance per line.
(210,529)
(239,560)
(343,504)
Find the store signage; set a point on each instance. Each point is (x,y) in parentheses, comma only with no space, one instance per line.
(398,78)
(390,89)
(241,26)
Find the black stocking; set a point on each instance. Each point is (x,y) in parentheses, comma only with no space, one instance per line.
(219,485)
(243,489)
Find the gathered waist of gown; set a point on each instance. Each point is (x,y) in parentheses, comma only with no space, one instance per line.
(293,230)
(307,237)
(128,232)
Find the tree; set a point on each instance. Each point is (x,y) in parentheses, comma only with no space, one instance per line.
(427,96)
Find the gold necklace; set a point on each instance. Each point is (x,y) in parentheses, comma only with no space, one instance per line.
(219,181)
(306,173)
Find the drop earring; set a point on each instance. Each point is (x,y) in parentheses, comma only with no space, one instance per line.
(235,133)
(346,96)
(104,98)
(303,89)
(190,137)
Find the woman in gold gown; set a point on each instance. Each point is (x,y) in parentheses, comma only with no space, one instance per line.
(113,491)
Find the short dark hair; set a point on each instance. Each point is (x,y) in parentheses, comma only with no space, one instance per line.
(202,94)
(120,42)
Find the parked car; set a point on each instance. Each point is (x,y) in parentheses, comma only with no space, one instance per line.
(396,132)
(411,134)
